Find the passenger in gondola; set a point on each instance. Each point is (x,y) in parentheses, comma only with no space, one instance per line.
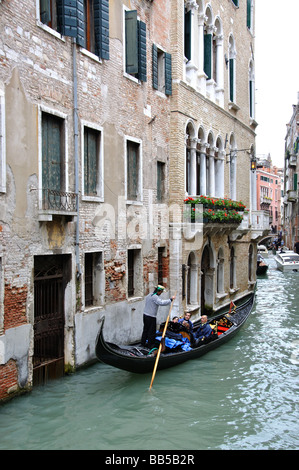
(152,303)
(175,319)
(204,332)
(186,322)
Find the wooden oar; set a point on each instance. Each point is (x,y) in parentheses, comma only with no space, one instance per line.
(160,347)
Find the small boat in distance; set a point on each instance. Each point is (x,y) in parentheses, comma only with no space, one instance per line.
(261,265)
(262,249)
(137,359)
(287,261)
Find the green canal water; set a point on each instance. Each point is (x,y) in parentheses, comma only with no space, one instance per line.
(243,396)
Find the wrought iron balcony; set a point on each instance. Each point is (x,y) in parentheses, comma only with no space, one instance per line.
(57,203)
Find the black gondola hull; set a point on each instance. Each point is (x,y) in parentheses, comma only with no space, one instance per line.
(123,357)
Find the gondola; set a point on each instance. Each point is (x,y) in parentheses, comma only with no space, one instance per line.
(134,358)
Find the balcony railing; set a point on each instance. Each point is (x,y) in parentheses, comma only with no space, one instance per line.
(58,201)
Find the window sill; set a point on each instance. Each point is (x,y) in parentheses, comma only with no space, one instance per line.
(93,309)
(131,77)
(49,30)
(92,198)
(134,299)
(234,290)
(91,55)
(221,296)
(233,106)
(47,215)
(134,203)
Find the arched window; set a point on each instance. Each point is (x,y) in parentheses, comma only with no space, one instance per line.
(232,168)
(190,164)
(208,43)
(232,69)
(232,269)
(201,164)
(210,160)
(219,168)
(220,272)
(249,14)
(192,280)
(218,61)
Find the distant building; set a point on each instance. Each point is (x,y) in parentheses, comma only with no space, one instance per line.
(269,187)
(291,171)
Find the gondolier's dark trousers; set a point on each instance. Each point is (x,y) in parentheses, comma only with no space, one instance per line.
(149,331)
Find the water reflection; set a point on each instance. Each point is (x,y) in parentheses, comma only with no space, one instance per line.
(242,396)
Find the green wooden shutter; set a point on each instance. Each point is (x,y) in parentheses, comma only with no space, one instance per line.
(131,33)
(141,51)
(208,55)
(67,17)
(295,181)
(249,14)
(231,80)
(155,66)
(90,161)
(101,23)
(51,152)
(80,37)
(168,74)
(187,37)
(132,170)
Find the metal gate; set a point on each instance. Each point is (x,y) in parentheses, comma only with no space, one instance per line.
(48,359)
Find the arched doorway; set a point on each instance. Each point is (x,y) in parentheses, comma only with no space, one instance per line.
(207,281)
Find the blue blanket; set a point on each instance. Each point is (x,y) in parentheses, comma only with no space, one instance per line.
(172,343)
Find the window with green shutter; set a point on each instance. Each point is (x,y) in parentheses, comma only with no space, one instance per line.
(187,35)
(249,8)
(168,74)
(133,169)
(85,20)
(161,70)
(135,45)
(295,181)
(231,79)
(52,152)
(91,152)
(92,162)
(208,55)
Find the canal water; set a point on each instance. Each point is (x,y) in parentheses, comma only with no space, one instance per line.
(243,396)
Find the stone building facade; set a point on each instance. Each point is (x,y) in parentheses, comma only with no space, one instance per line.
(291,171)
(102,104)
(212,149)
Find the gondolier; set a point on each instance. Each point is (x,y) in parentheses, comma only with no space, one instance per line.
(152,303)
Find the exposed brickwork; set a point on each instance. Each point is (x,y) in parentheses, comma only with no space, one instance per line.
(14,306)
(8,379)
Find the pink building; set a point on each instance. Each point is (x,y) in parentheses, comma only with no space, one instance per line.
(269,192)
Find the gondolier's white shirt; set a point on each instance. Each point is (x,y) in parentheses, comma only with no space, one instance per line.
(152,303)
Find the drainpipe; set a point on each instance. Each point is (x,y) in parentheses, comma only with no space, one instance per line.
(76,138)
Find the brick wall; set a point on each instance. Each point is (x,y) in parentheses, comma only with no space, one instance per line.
(8,379)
